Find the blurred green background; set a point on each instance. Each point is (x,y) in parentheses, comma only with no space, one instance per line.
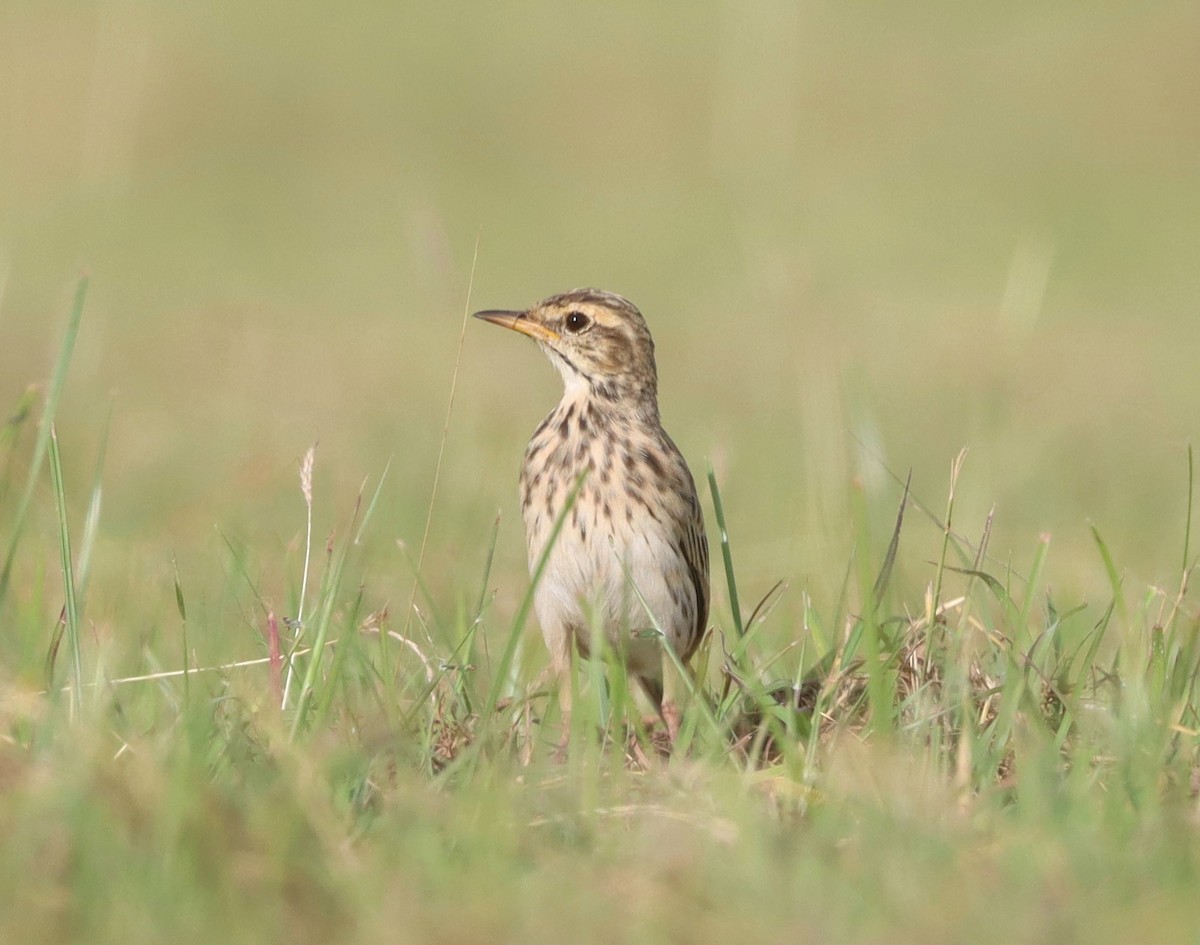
(862,234)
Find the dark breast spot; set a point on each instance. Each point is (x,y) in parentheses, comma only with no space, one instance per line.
(564,423)
(650,458)
(606,390)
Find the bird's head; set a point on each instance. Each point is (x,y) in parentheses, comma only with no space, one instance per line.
(598,341)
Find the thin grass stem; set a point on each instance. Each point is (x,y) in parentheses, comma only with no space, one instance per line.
(68,572)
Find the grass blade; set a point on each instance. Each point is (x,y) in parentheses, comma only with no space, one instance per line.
(91,526)
(58,380)
(881,688)
(1031,585)
(726,553)
(181,606)
(437,468)
(955,470)
(889,560)
(500,674)
(1187,522)
(1114,578)
(68,571)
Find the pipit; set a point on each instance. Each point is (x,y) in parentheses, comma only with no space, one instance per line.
(631,559)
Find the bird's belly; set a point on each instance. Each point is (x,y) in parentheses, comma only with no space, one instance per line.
(622,582)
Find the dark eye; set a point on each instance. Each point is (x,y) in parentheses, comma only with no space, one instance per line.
(577,322)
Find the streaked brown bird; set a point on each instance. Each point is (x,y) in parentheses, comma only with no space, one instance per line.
(632,556)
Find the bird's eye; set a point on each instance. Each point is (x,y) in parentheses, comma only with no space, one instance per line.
(577,322)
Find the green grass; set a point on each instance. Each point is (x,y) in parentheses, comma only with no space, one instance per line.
(972,758)
(923,289)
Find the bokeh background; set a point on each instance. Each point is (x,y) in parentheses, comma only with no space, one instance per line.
(865,236)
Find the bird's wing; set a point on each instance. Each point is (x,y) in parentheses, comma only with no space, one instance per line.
(695,556)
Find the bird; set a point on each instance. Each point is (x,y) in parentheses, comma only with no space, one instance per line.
(629,563)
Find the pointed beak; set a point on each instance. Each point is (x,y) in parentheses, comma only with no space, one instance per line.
(519,321)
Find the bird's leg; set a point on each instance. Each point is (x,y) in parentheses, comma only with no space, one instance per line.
(671,717)
(664,704)
(675,691)
(560,645)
